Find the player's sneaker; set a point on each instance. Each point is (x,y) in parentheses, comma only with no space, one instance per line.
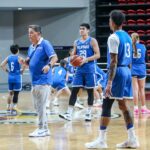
(145,111)
(40,133)
(98,103)
(66,116)
(8,111)
(55,102)
(136,111)
(88,117)
(77,104)
(129,144)
(96,144)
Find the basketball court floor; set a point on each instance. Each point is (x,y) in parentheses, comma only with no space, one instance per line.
(65,135)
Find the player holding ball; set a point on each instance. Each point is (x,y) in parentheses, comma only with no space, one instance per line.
(88,52)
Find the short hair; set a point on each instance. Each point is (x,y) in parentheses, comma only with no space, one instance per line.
(85,25)
(63,62)
(117,17)
(36,28)
(14,48)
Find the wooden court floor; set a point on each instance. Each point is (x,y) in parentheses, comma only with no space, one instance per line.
(64,135)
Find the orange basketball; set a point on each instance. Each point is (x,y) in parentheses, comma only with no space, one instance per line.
(76,60)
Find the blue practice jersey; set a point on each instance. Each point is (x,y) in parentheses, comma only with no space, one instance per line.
(100,74)
(39,57)
(138,62)
(70,68)
(85,49)
(124,49)
(59,75)
(14,69)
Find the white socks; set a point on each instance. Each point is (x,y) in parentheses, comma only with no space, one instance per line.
(70,110)
(131,133)
(102,135)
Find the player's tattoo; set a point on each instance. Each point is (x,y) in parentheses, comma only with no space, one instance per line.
(113,66)
(127,117)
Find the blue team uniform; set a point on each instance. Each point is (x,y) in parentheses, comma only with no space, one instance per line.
(85,74)
(71,71)
(122,83)
(39,57)
(138,62)
(100,77)
(59,78)
(14,76)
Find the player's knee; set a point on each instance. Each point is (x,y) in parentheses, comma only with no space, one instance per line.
(106,113)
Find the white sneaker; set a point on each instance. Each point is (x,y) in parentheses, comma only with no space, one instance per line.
(79,105)
(40,133)
(96,144)
(129,144)
(66,116)
(98,103)
(88,117)
(55,102)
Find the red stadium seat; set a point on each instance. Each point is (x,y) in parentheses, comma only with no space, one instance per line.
(131,1)
(148,11)
(148,51)
(142,42)
(131,31)
(141,32)
(147,1)
(140,1)
(148,21)
(148,43)
(140,22)
(140,11)
(131,22)
(148,32)
(121,2)
(131,11)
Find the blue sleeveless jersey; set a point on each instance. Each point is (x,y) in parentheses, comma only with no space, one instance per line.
(124,49)
(70,68)
(138,62)
(14,69)
(59,75)
(84,49)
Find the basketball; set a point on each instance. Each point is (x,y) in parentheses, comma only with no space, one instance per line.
(76,60)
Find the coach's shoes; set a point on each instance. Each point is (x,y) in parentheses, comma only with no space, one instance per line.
(66,116)
(88,117)
(134,143)
(96,144)
(40,133)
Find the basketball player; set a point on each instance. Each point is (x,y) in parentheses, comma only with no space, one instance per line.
(100,84)
(118,84)
(14,78)
(60,77)
(138,74)
(71,69)
(88,48)
(41,57)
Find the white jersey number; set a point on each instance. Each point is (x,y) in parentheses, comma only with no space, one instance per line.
(12,66)
(138,54)
(60,72)
(83,53)
(127,49)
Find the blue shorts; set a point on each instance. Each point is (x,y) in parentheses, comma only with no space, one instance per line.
(86,80)
(122,84)
(140,77)
(70,78)
(58,85)
(15,86)
(101,82)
